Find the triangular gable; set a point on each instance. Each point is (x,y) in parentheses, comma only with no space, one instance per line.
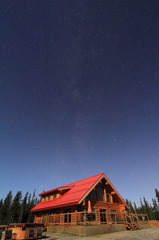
(75,195)
(108,181)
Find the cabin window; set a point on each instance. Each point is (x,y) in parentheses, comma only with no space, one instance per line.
(44,198)
(93,193)
(107,190)
(93,214)
(54,195)
(88,197)
(108,198)
(39,214)
(113,211)
(48,198)
(67,218)
(90,216)
(113,215)
(100,193)
(103,215)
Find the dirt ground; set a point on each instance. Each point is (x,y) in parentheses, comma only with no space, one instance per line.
(144,234)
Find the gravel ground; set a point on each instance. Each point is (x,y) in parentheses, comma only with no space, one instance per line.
(144,234)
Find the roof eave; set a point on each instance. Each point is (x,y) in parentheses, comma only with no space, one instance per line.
(53,207)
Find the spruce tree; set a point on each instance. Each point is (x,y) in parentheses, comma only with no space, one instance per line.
(1,206)
(29,207)
(18,209)
(142,208)
(6,209)
(148,209)
(157,194)
(135,208)
(15,207)
(23,210)
(131,208)
(32,203)
(155,210)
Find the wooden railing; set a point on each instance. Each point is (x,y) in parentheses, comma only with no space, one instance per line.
(143,218)
(95,218)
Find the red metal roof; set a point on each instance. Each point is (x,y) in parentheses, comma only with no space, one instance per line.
(73,196)
(77,191)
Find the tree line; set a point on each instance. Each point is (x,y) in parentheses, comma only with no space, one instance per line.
(17,209)
(145,208)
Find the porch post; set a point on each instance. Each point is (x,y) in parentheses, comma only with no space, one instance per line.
(84,217)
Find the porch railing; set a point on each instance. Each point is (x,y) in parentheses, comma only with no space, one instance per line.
(95,218)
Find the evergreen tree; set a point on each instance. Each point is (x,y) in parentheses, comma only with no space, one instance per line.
(157,194)
(28,208)
(15,207)
(6,209)
(131,208)
(18,209)
(142,208)
(135,208)
(146,208)
(23,210)
(32,203)
(155,210)
(1,206)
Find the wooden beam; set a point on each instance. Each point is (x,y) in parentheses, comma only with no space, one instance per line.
(112,193)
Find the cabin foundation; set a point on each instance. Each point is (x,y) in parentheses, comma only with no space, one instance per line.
(85,231)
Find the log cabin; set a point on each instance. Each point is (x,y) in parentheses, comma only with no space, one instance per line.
(93,200)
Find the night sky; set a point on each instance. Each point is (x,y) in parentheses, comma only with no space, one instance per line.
(79,84)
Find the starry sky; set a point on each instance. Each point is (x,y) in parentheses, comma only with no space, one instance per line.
(79,84)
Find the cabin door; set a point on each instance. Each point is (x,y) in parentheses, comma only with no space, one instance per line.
(103,215)
(67,218)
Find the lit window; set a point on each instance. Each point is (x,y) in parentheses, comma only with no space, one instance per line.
(94,195)
(100,193)
(108,198)
(88,197)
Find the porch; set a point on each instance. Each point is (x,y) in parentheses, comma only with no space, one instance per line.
(84,218)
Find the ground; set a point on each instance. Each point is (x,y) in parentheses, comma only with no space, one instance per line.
(144,234)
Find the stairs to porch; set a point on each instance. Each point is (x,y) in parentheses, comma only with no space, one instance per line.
(132,222)
(132,226)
